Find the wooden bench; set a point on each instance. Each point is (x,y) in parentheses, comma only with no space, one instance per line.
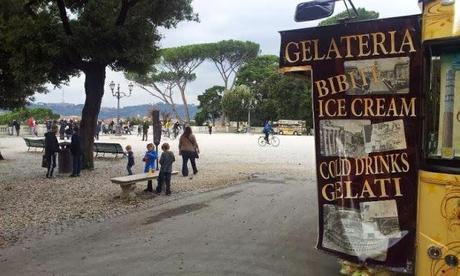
(113,148)
(35,143)
(128,183)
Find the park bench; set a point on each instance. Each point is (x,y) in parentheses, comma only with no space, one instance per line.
(128,183)
(35,143)
(113,148)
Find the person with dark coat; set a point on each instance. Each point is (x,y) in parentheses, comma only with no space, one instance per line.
(98,129)
(51,148)
(17,127)
(166,160)
(62,125)
(145,130)
(75,149)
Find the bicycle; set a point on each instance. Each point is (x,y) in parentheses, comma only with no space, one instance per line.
(272,141)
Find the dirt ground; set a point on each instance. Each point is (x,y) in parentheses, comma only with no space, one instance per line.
(33,205)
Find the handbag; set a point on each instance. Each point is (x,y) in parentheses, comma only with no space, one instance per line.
(195,153)
(44,162)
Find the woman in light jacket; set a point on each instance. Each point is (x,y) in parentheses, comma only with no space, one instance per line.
(188,148)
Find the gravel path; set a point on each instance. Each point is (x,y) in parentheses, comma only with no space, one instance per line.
(32,205)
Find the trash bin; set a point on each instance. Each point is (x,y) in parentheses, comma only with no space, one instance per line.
(65,160)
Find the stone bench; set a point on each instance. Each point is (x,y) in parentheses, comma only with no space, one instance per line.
(128,183)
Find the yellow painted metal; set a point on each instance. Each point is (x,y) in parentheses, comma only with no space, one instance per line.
(438,223)
(440,20)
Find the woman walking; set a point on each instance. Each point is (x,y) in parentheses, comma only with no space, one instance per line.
(188,148)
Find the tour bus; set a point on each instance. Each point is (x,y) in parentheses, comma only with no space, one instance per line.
(386,106)
(289,127)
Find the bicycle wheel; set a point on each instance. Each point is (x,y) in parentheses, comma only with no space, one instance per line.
(275,141)
(261,141)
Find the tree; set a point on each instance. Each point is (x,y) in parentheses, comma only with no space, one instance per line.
(287,97)
(278,96)
(210,105)
(232,103)
(181,62)
(257,70)
(159,85)
(56,40)
(22,114)
(363,14)
(229,55)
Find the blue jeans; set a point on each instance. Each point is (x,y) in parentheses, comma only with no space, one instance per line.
(76,164)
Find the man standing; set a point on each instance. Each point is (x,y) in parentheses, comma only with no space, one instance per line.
(98,129)
(75,149)
(145,130)
(51,148)
(17,126)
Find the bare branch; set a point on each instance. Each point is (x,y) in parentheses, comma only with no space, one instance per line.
(64,18)
(125,6)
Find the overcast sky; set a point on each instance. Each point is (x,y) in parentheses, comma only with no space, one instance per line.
(255,20)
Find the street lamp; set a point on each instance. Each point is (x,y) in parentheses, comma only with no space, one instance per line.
(119,94)
(250,104)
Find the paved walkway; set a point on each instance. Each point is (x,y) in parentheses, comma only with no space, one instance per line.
(264,227)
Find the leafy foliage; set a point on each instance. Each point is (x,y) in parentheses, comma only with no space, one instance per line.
(363,14)
(278,96)
(21,115)
(229,55)
(210,105)
(232,102)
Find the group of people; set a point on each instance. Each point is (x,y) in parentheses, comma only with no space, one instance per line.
(188,149)
(14,127)
(52,148)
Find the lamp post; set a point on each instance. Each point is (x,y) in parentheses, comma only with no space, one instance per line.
(119,94)
(250,104)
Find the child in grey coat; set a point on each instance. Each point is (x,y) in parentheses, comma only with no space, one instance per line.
(166,160)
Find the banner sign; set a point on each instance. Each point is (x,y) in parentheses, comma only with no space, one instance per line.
(366,80)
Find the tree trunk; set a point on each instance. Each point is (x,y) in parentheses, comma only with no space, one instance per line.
(184,100)
(94,90)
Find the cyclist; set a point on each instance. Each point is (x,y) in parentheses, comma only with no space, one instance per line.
(267,130)
(176,128)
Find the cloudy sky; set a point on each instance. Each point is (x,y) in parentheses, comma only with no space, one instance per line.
(254,20)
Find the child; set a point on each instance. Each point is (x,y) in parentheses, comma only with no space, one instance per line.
(166,160)
(149,159)
(130,154)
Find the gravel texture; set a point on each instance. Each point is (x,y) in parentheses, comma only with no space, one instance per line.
(32,205)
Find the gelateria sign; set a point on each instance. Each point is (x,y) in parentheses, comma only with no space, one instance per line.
(366,82)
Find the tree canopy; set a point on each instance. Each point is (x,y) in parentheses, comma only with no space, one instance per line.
(210,105)
(232,102)
(278,96)
(363,14)
(229,55)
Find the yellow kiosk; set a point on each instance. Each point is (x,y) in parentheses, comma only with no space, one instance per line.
(438,225)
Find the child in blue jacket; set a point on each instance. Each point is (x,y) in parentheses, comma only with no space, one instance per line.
(149,158)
